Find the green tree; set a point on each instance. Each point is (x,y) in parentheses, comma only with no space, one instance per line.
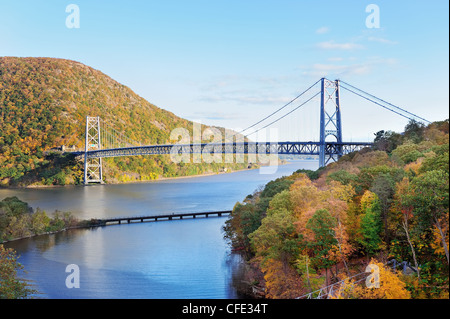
(309,275)
(440,160)
(370,226)
(384,187)
(40,222)
(414,131)
(407,152)
(387,140)
(277,237)
(342,177)
(244,220)
(10,286)
(322,225)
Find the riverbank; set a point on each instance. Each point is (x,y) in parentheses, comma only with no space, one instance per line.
(34,235)
(184,177)
(18,220)
(41,186)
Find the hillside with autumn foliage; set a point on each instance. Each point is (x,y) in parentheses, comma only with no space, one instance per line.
(43,106)
(306,231)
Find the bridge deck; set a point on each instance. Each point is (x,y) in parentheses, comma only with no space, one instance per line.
(280,148)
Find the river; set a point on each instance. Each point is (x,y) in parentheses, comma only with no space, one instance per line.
(179,259)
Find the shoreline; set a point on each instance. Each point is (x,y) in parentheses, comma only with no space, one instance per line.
(285,162)
(129,182)
(143,181)
(182,177)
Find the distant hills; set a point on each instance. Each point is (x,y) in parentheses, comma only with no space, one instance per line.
(43,105)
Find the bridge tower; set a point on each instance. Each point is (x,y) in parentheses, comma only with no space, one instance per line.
(92,166)
(330,122)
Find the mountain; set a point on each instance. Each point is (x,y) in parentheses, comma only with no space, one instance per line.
(44,102)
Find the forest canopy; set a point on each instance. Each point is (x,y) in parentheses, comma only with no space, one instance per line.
(314,228)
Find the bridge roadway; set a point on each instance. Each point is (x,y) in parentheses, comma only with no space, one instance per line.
(280,148)
(141,219)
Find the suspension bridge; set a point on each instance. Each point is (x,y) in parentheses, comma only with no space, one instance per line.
(103,140)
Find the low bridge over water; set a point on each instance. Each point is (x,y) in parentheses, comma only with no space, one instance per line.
(160,217)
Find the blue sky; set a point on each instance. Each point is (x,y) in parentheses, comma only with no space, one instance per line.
(230,63)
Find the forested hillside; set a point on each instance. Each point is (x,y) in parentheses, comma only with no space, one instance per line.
(308,230)
(43,105)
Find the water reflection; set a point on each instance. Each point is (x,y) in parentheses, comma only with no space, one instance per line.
(170,259)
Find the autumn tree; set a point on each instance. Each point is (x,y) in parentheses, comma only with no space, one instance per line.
(390,286)
(10,286)
(277,237)
(429,197)
(342,250)
(406,215)
(282,281)
(310,277)
(276,244)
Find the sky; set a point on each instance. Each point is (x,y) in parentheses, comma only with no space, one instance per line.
(230,63)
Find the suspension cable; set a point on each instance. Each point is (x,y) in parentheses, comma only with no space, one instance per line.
(364,97)
(115,136)
(373,96)
(285,114)
(273,113)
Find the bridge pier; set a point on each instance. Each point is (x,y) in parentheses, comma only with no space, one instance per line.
(93,172)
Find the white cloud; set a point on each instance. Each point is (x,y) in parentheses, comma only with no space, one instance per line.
(326,70)
(322,30)
(340,70)
(247,89)
(216,116)
(382,40)
(331,45)
(335,59)
(244,98)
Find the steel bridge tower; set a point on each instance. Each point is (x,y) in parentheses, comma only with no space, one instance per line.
(330,122)
(92,166)
(329,148)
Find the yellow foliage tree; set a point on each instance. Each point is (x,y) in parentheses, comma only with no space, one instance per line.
(282,282)
(388,286)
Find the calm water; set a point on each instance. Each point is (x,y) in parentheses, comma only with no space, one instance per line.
(167,259)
